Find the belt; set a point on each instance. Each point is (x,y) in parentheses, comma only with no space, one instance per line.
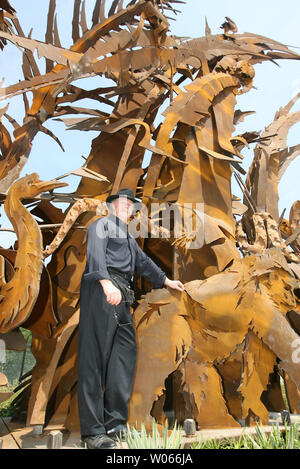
(126,275)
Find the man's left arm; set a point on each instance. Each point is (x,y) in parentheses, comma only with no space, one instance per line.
(147,268)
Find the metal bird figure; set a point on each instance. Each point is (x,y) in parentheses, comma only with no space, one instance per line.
(229,25)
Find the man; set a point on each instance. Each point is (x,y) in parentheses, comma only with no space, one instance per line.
(106,341)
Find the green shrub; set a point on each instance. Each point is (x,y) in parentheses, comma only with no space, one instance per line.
(13,365)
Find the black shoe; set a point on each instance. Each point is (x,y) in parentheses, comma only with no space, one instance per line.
(119,432)
(99,442)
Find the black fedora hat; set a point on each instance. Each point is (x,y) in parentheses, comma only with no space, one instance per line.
(127,193)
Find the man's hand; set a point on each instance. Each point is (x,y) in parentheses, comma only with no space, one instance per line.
(112,293)
(175,284)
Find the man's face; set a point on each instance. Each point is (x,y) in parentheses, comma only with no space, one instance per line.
(123,207)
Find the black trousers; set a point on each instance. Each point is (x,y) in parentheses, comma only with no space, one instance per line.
(106,360)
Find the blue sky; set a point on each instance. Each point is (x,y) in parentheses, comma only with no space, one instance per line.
(275,85)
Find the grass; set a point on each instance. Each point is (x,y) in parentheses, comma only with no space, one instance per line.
(276,439)
(7,408)
(166,440)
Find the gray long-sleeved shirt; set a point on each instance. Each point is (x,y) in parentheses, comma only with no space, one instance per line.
(109,244)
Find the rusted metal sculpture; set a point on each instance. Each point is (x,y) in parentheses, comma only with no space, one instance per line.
(215,352)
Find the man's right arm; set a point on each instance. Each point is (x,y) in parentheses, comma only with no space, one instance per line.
(112,293)
(96,244)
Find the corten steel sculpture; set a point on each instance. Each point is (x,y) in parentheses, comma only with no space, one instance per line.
(217,351)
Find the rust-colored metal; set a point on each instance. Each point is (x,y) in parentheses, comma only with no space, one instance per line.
(217,351)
